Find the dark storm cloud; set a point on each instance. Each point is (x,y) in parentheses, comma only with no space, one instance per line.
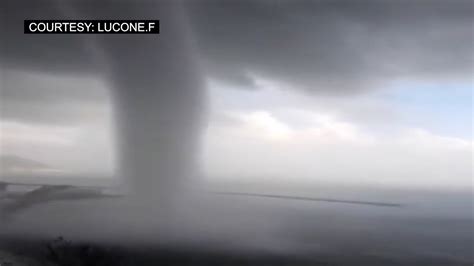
(336,46)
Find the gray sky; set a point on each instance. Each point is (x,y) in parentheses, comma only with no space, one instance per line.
(336,47)
(302,91)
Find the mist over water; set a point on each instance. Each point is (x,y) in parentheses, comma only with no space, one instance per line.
(429,227)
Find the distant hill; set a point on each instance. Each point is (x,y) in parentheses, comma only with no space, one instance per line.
(17,169)
(16,165)
(13,161)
